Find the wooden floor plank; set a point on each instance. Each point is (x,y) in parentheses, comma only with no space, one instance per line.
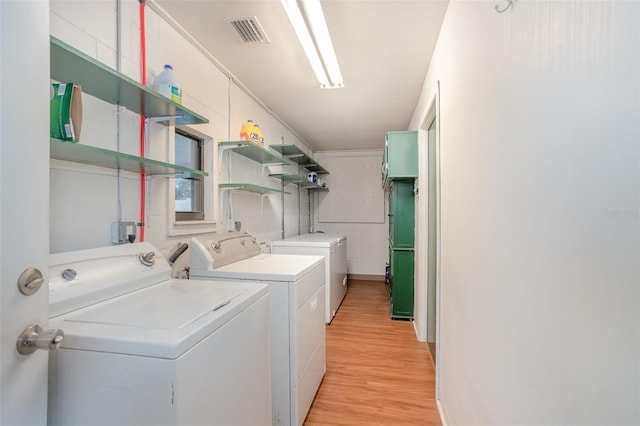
(377,373)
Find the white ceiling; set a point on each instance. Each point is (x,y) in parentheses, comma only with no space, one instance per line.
(383,48)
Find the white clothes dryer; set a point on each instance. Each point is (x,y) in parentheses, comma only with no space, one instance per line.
(296,296)
(334,249)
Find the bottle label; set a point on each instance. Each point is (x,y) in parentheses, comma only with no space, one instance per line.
(176,94)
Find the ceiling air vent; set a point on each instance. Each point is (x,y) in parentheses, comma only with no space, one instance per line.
(249,29)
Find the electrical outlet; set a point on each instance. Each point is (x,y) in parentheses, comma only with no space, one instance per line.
(123,232)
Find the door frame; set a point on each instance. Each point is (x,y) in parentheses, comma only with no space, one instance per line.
(432,113)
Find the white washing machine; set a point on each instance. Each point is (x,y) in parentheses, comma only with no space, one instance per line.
(296,295)
(143,349)
(334,249)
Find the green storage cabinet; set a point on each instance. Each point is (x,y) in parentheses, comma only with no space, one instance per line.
(401,284)
(400,157)
(401,214)
(401,248)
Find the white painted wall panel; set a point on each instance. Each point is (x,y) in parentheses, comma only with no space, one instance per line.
(540,306)
(367,251)
(355,193)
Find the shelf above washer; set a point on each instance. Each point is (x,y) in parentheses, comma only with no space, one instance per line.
(313,186)
(295,154)
(71,65)
(91,155)
(253,152)
(288,177)
(249,187)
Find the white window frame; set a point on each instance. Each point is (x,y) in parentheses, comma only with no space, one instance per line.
(208,224)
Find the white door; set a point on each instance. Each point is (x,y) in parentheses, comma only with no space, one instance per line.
(24,203)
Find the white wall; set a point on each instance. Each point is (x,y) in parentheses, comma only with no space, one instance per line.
(91,26)
(540,123)
(367,241)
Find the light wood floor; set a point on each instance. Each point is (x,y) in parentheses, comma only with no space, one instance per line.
(377,373)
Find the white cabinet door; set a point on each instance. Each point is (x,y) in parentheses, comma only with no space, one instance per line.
(24,203)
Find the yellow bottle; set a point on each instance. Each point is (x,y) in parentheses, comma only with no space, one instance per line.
(251,132)
(246,131)
(257,136)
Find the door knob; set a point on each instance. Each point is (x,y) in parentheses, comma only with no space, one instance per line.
(34,337)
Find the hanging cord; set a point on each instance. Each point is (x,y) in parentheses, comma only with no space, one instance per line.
(229,108)
(143,80)
(282,185)
(504,9)
(119,108)
(229,220)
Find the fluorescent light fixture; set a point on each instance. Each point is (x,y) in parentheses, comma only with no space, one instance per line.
(320,31)
(315,18)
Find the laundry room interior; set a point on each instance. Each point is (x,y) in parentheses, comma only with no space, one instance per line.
(474,170)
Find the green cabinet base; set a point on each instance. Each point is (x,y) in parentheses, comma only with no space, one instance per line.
(401,284)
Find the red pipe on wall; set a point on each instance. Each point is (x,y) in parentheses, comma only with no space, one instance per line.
(143,80)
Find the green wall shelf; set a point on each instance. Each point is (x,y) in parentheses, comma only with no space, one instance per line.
(313,186)
(295,154)
(91,155)
(301,181)
(288,177)
(249,187)
(253,152)
(71,65)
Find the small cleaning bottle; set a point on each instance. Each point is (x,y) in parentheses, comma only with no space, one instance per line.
(247,130)
(166,83)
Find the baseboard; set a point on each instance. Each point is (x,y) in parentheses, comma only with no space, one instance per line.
(365,277)
(443,418)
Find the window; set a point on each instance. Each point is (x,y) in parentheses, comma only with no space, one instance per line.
(189,200)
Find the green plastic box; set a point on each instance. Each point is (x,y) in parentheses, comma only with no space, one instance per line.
(66,112)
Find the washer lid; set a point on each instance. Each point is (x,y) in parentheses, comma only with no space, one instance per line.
(310,240)
(166,307)
(164,320)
